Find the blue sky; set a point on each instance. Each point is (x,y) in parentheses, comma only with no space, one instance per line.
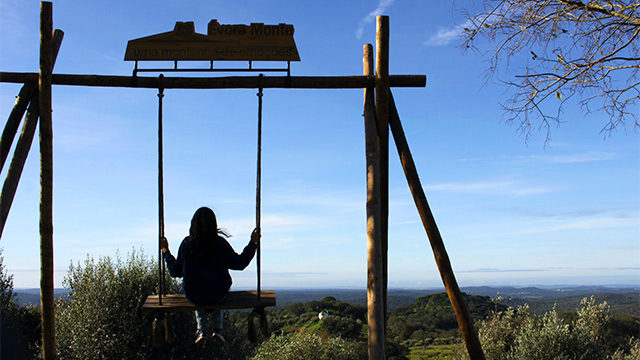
(510,212)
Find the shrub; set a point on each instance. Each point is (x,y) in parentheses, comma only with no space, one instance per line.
(517,334)
(633,354)
(101,316)
(19,325)
(305,346)
(343,327)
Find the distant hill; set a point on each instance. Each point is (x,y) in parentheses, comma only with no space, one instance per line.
(539,299)
(434,312)
(32,296)
(396,297)
(546,293)
(403,297)
(628,303)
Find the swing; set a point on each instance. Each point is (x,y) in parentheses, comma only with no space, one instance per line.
(163,303)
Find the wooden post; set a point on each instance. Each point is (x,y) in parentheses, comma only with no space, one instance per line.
(382,117)
(46,184)
(375,275)
(437,245)
(24,142)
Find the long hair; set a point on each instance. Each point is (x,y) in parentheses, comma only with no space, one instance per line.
(204,234)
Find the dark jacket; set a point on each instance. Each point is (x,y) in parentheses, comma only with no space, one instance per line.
(206,282)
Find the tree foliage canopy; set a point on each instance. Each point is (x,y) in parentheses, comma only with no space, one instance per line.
(588,49)
(19,325)
(517,334)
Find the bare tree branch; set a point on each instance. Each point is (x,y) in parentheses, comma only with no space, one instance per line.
(590,50)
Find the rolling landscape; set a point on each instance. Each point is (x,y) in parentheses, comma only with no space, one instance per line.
(536,297)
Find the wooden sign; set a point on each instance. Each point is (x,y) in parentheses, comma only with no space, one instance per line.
(257,42)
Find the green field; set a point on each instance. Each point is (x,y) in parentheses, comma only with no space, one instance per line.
(432,352)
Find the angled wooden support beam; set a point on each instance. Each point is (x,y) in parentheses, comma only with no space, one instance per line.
(10,185)
(230,82)
(25,96)
(13,122)
(437,245)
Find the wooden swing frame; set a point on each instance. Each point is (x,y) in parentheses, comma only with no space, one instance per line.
(380,115)
(234,299)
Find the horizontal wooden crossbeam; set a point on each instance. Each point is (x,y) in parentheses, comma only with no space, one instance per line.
(229,82)
(234,300)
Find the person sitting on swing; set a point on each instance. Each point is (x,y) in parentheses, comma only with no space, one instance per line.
(204,260)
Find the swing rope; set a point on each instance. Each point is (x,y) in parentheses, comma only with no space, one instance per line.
(161,265)
(259,311)
(259,184)
(161,234)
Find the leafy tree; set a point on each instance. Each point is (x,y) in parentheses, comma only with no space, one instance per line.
(432,316)
(6,287)
(306,346)
(517,334)
(296,309)
(101,317)
(343,327)
(632,354)
(583,48)
(19,326)
(618,331)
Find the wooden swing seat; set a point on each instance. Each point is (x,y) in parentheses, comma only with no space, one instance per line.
(234,300)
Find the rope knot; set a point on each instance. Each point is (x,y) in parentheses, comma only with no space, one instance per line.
(161,86)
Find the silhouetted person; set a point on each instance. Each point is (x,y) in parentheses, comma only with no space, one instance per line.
(204,260)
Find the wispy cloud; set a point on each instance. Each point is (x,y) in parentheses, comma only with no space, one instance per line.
(383,5)
(579,158)
(291,273)
(339,200)
(547,269)
(444,36)
(616,211)
(581,224)
(590,156)
(282,243)
(14,17)
(78,134)
(496,270)
(499,187)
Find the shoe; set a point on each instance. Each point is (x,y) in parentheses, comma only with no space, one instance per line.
(200,337)
(218,338)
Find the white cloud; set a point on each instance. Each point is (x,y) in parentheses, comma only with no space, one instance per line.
(444,36)
(581,224)
(500,187)
(383,5)
(338,201)
(497,270)
(580,158)
(79,129)
(281,243)
(590,156)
